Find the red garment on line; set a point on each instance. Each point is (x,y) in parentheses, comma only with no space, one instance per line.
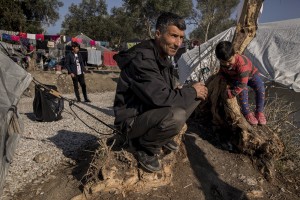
(39,37)
(93,43)
(108,58)
(78,40)
(15,38)
(23,35)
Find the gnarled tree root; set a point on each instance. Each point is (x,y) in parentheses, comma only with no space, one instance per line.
(260,142)
(118,172)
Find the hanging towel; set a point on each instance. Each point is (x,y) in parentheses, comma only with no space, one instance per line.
(98,43)
(50,44)
(93,43)
(23,35)
(30,36)
(108,58)
(40,37)
(94,57)
(6,36)
(15,38)
(104,43)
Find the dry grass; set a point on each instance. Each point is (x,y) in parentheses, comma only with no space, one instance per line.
(281,119)
(99,159)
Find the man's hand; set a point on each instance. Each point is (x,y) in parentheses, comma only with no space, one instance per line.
(201,90)
(72,75)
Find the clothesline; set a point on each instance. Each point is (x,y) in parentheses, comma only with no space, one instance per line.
(18,36)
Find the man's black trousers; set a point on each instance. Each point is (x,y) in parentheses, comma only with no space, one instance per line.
(79,79)
(157,127)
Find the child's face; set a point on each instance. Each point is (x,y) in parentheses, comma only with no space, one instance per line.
(75,49)
(229,62)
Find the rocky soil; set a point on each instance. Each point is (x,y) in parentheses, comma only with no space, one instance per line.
(46,146)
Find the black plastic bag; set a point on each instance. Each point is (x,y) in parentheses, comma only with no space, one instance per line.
(47,107)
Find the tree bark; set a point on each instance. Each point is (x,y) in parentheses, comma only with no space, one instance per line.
(247,25)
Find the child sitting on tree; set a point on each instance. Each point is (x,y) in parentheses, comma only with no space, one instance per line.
(239,72)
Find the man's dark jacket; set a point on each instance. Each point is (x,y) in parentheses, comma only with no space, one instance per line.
(146,82)
(70,63)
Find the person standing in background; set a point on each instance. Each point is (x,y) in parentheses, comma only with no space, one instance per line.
(74,65)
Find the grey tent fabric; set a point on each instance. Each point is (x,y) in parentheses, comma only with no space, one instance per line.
(189,66)
(274,51)
(13,82)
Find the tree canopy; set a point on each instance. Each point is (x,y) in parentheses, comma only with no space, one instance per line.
(145,12)
(28,15)
(135,19)
(89,17)
(212,17)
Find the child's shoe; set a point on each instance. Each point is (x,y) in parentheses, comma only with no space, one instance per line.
(261,118)
(251,119)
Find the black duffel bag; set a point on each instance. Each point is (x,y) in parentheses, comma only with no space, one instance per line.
(47,107)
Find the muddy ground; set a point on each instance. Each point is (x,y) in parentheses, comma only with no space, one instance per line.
(206,171)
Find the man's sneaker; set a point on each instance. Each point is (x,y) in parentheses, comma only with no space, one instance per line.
(87,100)
(171,145)
(150,163)
(261,118)
(251,119)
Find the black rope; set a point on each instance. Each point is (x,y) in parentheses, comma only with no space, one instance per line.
(71,103)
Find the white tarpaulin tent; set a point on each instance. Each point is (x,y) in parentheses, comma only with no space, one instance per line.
(275,51)
(13,82)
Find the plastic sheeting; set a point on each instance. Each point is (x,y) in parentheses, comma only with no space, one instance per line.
(14,81)
(274,51)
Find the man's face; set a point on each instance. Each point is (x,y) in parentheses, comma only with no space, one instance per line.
(75,49)
(169,41)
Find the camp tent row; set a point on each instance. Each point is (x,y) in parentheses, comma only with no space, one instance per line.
(98,54)
(274,51)
(95,54)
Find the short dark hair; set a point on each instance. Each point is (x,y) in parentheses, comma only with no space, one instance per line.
(75,44)
(224,50)
(168,19)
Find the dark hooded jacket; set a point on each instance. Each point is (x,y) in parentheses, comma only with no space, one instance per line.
(70,63)
(146,82)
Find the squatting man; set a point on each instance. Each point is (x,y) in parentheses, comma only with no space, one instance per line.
(148,107)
